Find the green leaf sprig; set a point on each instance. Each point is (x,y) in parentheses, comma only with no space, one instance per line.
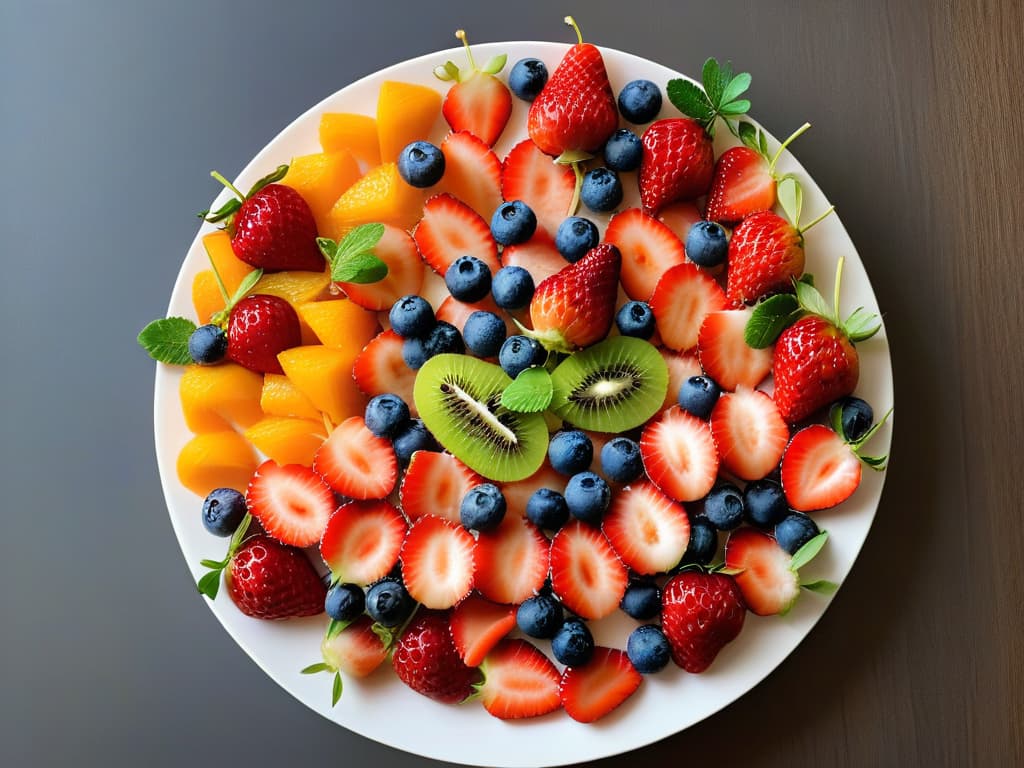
(226,212)
(209,584)
(877,463)
(530,392)
(720,97)
(352,260)
(450,71)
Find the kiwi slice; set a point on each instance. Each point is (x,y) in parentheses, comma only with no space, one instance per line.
(613,386)
(459,399)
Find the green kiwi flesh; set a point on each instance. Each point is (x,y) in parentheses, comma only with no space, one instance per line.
(459,399)
(613,386)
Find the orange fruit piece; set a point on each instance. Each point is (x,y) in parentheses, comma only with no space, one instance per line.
(287,440)
(282,398)
(324,375)
(206,296)
(321,179)
(405,113)
(216,460)
(294,286)
(231,269)
(379,196)
(217,397)
(352,133)
(340,323)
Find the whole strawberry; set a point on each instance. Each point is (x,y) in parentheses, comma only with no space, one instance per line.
(575,307)
(678,158)
(815,362)
(269,580)
(478,102)
(701,613)
(425,659)
(259,327)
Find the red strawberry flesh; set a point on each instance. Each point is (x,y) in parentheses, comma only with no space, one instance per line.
(701,613)
(362,541)
(269,580)
(356,463)
(750,434)
(478,625)
(819,470)
(291,502)
(647,529)
(679,455)
(519,681)
(437,562)
(586,573)
(764,576)
(592,691)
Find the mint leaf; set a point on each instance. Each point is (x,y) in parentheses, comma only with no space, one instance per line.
(770,318)
(209,584)
(690,100)
(362,239)
(363,268)
(353,260)
(531,391)
(166,340)
(735,108)
(808,551)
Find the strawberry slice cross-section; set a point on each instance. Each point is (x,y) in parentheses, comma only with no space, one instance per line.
(546,187)
(362,541)
(434,484)
(647,529)
(586,573)
(437,562)
(511,561)
(519,681)
(292,502)
(750,433)
(590,692)
(478,625)
(679,455)
(450,229)
(356,463)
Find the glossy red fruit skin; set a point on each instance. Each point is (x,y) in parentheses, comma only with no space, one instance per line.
(576,108)
(259,328)
(678,162)
(275,230)
(815,364)
(739,168)
(269,580)
(425,659)
(701,614)
(766,253)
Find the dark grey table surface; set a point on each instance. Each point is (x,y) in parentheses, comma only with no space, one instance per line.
(111,116)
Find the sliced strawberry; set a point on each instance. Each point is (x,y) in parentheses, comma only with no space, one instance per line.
(585,571)
(680,455)
(456,312)
(538,256)
(590,692)
(647,529)
(511,561)
(546,186)
(725,355)
(519,681)
(679,217)
(437,562)
(355,651)
(681,366)
(362,541)
(743,184)
(477,626)
(379,369)
(450,229)
(397,249)
(292,502)
(684,296)
(434,484)
(517,494)
(649,249)
(480,104)
(750,433)
(472,173)
(356,463)
(764,571)
(819,470)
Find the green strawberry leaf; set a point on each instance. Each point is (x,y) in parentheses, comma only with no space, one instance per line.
(209,584)
(447,72)
(807,279)
(531,392)
(711,76)
(245,287)
(812,301)
(226,210)
(748,135)
(495,64)
(877,463)
(861,325)
(335,627)
(218,564)
(689,99)
(735,87)
(808,551)
(770,318)
(735,108)
(353,260)
(276,175)
(821,587)
(386,634)
(336,689)
(313,669)
(791,198)
(166,340)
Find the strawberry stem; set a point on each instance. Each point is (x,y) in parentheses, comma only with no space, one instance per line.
(786,143)
(804,229)
(572,23)
(217,175)
(575,202)
(461,34)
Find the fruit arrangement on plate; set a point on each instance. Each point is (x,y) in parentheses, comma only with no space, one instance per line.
(473,386)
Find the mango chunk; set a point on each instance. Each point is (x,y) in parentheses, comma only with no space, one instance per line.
(282,398)
(216,460)
(340,323)
(215,398)
(379,196)
(352,133)
(287,440)
(321,179)
(405,113)
(231,269)
(324,375)
(296,287)
(206,298)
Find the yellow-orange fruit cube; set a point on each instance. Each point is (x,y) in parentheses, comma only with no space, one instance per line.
(287,440)
(230,268)
(282,398)
(324,375)
(340,323)
(294,286)
(216,460)
(206,297)
(218,397)
(405,113)
(352,133)
(379,196)
(321,179)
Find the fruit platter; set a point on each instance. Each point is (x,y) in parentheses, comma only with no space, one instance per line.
(522,403)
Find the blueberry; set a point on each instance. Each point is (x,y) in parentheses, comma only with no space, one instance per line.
(207,344)
(468,279)
(540,616)
(570,451)
(444,339)
(513,222)
(482,508)
(621,461)
(388,603)
(698,395)
(703,543)
(414,353)
(573,645)
(623,151)
(706,244)
(484,333)
(547,509)
(765,503)
(223,510)
(576,236)
(640,101)
(411,437)
(519,353)
(642,600)
(648,649)
(587,495)
(601,191)
(636,319)
(512,287)
(855,416)
(527,77)
(421,164)
(723,506)
(344,602)
(795,530)
(385,414)
(412,317)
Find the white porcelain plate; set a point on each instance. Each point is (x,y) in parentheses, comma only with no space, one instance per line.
(381,708)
